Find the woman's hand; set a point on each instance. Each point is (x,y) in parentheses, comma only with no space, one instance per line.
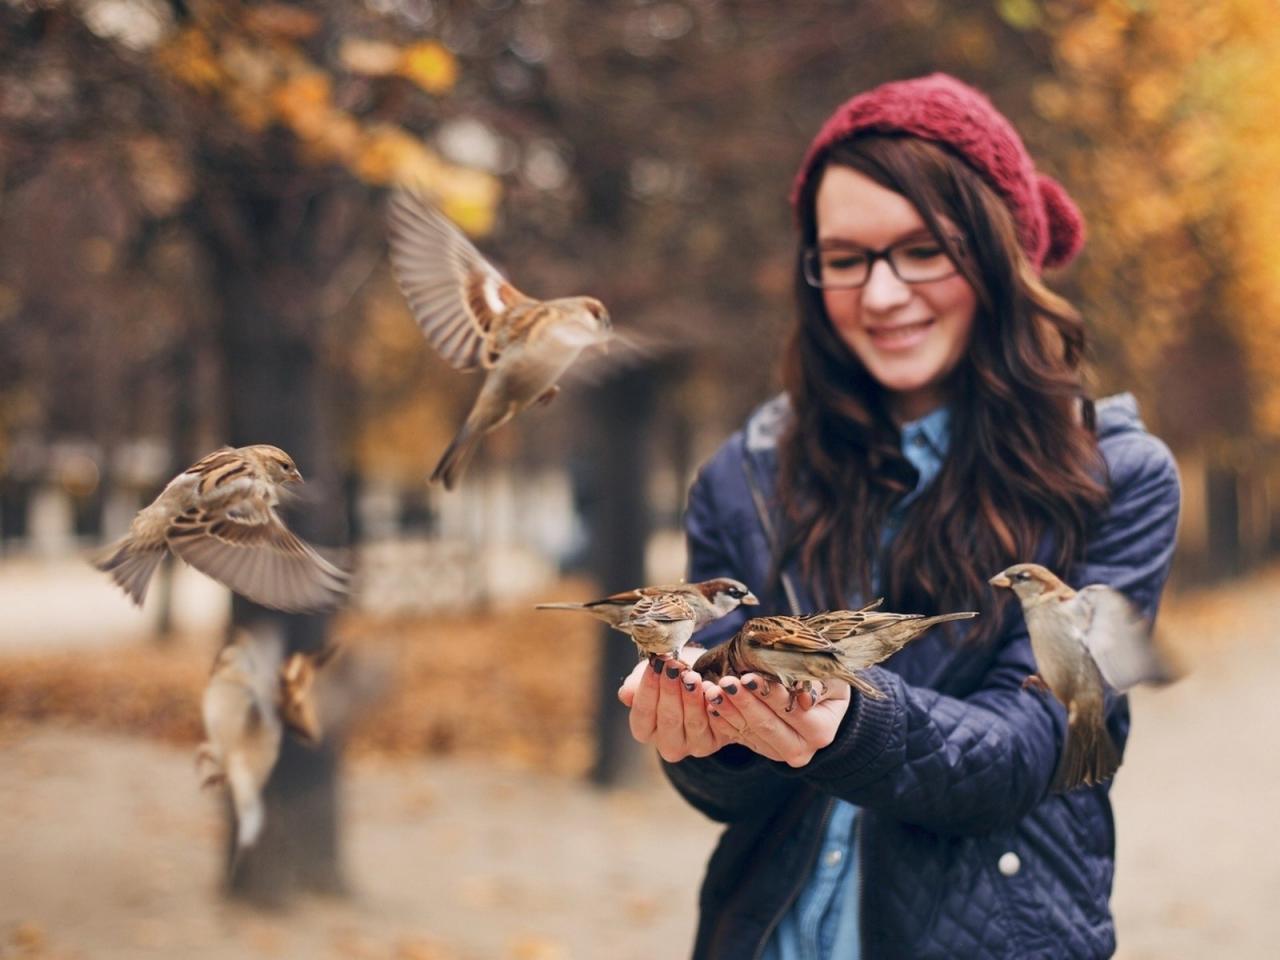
(669,709)
(686,716)
(753,712)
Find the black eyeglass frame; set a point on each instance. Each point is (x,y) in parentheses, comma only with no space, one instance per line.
(812,268)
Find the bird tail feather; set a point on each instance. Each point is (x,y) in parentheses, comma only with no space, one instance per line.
(560,606)
(130,566)
(247,800)
(456,457)
(1089,757)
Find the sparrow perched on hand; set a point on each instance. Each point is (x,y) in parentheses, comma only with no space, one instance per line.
(477,320)
(219,515)
(795,652)
(661,619)
(1082,639)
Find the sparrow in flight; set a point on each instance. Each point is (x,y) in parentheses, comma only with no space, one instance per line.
(219,515)
(1083,641)
(477,320)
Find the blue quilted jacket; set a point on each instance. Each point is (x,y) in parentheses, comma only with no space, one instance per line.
(964,853)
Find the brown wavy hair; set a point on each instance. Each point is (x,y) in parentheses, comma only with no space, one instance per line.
(1023,461)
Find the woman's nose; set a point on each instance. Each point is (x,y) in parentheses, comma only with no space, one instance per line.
(883,290)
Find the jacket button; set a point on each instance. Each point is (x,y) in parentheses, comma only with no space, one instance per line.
(1009,864)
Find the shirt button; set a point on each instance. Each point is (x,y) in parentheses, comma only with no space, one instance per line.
(1009,864)
(832,858)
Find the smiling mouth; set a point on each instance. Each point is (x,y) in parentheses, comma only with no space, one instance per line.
(902,334)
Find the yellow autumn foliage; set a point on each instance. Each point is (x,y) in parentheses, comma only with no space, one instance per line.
(262,77)
(430,65)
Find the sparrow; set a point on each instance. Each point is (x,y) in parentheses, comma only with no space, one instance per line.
(661,619)
(477,320)
(298,708)
(251,698)
(794,651)
(219,515)
(1082,641)
(243,727)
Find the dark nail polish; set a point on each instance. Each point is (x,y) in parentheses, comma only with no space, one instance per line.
(714,713)
(749,684)
(673,672)
(691,686)
(717,700)
(656,664)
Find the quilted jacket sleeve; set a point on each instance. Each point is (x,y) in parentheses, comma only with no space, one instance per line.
(980,763)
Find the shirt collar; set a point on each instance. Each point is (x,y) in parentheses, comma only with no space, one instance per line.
(932,430)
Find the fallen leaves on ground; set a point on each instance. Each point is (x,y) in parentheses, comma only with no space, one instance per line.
(510,686)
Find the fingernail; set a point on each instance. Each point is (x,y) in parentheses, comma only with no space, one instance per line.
(714,713)
(673,672)
(656,664)
(690,686)
(749,684)
(717,700)
(731,688)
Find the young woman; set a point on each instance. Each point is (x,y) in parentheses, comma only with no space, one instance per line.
(934,429)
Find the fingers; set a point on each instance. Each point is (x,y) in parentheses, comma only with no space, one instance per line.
(729,711)
(644,706)
(670,737)
(631,683)
(699,738)
(763,714)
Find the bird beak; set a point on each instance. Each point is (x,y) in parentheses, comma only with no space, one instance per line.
(750,600)
(297,477)
(1000,580)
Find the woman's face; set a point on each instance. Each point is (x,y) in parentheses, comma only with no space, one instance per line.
(908,336)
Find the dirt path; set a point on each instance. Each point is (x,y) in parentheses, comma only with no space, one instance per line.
(108,851)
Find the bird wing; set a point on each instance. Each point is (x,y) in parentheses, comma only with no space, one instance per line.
(790,634)
(244,545)
(1119,638)
(662,608)
(458,298)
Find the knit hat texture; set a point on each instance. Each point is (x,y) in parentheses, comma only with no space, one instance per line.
(946,111)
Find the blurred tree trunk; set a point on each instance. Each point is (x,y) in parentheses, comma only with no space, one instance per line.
(273,244)
(621,423)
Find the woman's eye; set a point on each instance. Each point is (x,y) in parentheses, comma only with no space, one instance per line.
(924,251)
(843,261)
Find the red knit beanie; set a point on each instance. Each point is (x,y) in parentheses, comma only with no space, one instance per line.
(943,110)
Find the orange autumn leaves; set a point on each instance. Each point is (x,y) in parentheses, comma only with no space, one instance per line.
(257,64)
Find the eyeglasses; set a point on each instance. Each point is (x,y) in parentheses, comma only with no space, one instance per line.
(915,260)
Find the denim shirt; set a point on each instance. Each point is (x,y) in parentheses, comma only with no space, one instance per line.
(823,921)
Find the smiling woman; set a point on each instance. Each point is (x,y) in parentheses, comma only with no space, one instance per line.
(935,429)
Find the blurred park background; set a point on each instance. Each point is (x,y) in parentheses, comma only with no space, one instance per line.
(192,253)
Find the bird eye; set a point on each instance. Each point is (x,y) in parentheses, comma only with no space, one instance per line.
(735,593)
(1022,576)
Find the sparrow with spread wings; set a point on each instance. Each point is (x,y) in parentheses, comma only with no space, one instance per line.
(219,515)
(477,320)
(1083,641)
